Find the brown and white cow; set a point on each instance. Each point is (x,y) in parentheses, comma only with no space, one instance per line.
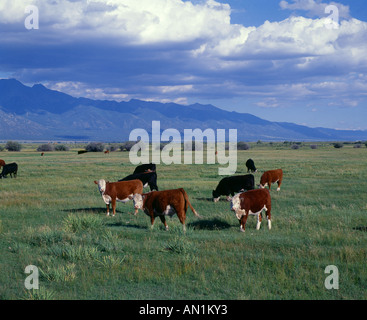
(164,203)
(252,202)
(270,177)
(118,191)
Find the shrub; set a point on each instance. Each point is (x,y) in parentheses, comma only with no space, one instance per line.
(243,145)
(313,146)
(61,147)
(295,146)
(357,146)
(13,146)
(95,147)
(126,146)
(45,147)
(338,145)
(2,148)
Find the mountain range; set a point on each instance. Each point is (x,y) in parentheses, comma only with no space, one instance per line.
(37,113)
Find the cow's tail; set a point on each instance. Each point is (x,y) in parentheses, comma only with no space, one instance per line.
(187,203)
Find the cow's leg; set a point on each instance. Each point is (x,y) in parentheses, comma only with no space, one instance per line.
(182,217)
(163,219)
(268,216)
(113,207)
(243,222)
(151,219)
(279,183)
(259,219)
(108,209)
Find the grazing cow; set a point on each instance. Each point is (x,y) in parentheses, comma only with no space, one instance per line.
(252,202)
(2,163)
(250,166)
(232,185)
(147,178)
(164,203)
(11,168)
(145,168)
(42,154)
(118,191)
(82,151)
(270,177)
(107,152)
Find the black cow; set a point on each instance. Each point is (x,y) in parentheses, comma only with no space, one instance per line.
(250,166)
(231,185)
(11,168)
(147,178)
(145,168)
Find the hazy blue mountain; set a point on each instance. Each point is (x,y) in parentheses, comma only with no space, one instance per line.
(38,113)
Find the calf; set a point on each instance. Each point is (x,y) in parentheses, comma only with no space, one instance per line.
(2,163)
(163,203)
(11,168)
(145,168)
(147,178)
(232,185)
(252,202)
(118,191)
(250,166)
(270,177)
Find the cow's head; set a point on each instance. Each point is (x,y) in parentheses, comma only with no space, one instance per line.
(236,205)
(138,200)
(216,196)
(101,185)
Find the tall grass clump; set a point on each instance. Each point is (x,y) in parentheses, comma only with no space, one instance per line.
(76,223)
(59,273)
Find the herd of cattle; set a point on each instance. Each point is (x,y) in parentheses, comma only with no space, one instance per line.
(240,190)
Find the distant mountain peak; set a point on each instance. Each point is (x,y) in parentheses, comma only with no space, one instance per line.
(51,114)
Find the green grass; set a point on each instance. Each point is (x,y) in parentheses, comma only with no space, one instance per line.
(52,216)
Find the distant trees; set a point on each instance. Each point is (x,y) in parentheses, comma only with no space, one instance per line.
(61,147)
(95,147)
(13,146)
(45,147)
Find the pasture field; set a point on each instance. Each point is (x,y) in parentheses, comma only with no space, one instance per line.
(52,216)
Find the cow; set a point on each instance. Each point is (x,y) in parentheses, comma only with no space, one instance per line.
(42,154)
(252,202)
(147,178)
(118,191)
(231,185)
(11,168)
(270,177)
(107,152)
(2,163)
(250,166)
(164,203)
(82,151)
(145,168)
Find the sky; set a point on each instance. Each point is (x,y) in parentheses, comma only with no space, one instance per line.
(300,61)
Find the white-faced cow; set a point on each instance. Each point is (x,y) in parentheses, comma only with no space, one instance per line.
(147,178)
(250,164)
(11,168)
(252,202)
(231,185)
(270,177)
(164,203)
(118,191)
